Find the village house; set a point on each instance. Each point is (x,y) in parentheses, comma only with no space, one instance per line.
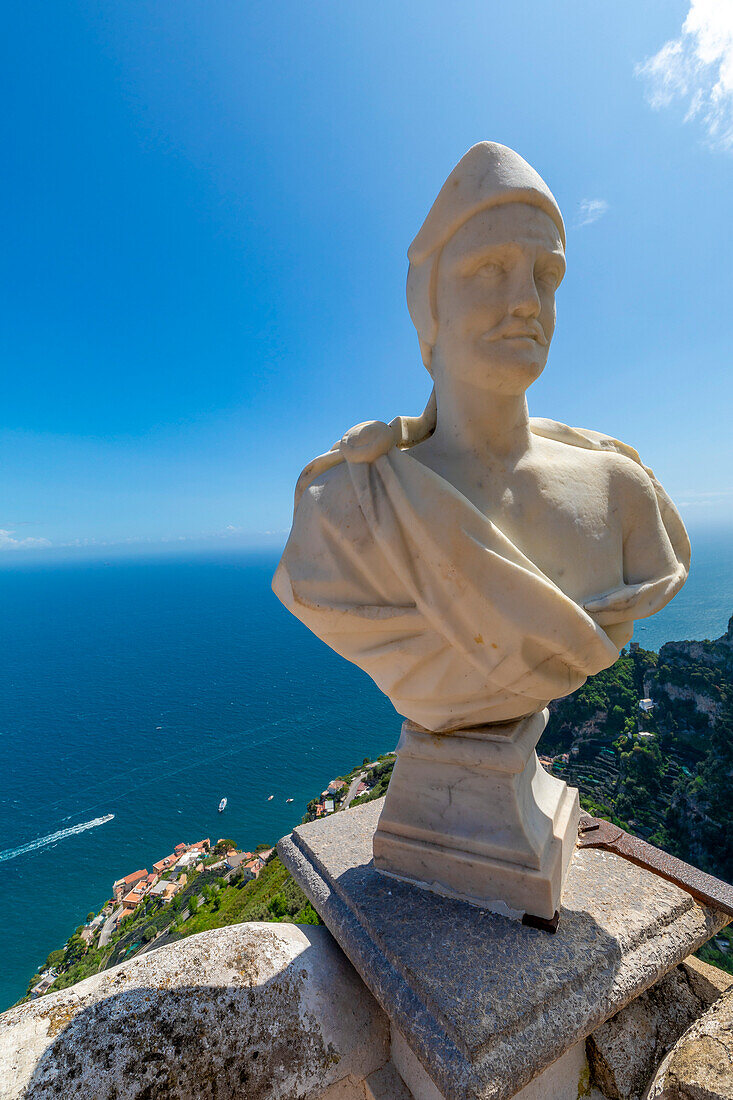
(201,845)
(165,890)
(235,859)
(335,786)
(133,899)
(124,885)
(47,979)
(255,865)
(165,864)
(188,858)
(170,891)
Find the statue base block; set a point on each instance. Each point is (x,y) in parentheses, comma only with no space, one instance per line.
(480,1003)
(472,814)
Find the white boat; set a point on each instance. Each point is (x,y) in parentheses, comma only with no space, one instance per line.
(270,797)
(222,805)
(289,799)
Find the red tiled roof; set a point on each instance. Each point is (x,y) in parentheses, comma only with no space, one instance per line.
(133,898)
(163,864)
(180,848)
(130,880)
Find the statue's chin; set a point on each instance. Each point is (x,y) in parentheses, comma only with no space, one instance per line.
(508,371)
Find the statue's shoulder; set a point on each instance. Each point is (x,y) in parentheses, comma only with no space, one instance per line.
(328,500)
(326,478)
(627,480)
(605,449)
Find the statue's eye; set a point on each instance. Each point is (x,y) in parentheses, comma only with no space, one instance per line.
(490,270)
(548,277)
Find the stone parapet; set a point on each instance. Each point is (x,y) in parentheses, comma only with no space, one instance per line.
(262,1011)
(272,1011)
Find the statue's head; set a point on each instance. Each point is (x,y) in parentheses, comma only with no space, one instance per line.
(484,269)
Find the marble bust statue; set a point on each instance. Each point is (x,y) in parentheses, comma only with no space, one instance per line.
(475,561)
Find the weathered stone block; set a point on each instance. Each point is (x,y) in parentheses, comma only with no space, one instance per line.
(624,1052)
(262,1011)
(700,1065)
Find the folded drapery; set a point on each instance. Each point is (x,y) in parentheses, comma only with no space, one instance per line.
(371,568)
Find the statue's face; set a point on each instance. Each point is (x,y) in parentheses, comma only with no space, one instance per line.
(496,284)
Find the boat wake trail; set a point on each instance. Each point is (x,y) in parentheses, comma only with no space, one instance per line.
(44,841)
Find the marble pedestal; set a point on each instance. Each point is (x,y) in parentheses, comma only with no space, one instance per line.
(472,814)
(485,1004)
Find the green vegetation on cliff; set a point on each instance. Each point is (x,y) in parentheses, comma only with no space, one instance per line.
(274,896)
(208,902)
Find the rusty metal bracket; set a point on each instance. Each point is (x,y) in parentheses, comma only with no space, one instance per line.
(594,832)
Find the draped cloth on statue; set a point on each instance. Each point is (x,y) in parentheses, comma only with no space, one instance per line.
(370,567)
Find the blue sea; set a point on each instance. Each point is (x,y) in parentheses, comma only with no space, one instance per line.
(150,689)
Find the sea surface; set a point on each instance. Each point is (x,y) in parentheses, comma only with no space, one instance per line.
(150,689)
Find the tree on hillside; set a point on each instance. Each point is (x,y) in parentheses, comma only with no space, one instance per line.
(223,846)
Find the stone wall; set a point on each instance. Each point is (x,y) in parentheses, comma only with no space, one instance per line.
(276,1012)
(254,1010)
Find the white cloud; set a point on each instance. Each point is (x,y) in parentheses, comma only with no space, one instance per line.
(697,68)
(8,542)
(590,211)
(706,499)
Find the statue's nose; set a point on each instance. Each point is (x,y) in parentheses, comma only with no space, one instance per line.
(525,301)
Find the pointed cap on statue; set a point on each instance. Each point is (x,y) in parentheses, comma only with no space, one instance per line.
(488,175)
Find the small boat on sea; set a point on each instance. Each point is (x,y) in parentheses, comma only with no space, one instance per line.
(270,797)
(222,805)
(289,799)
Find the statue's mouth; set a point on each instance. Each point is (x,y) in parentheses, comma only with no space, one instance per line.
(515,334)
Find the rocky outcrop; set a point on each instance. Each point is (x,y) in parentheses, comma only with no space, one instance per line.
(703,703)
(700,1065)
(694,672)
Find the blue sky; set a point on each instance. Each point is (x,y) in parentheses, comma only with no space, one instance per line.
(207,209)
